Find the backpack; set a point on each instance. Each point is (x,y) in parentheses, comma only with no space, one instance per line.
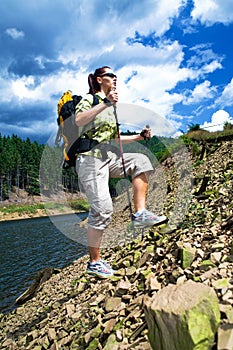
(69,131)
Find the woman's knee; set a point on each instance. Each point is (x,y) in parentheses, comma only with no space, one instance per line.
(100,218)
(142,166)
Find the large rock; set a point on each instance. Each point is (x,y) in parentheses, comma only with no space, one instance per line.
(41,277)
(184,317)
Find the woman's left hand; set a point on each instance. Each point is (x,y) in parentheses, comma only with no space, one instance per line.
(146,133)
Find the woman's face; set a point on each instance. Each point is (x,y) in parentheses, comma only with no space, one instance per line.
(107,80)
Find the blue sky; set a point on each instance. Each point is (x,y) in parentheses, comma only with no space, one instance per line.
(172,57)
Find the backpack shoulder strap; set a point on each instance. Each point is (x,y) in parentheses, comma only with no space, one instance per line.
(94,103)
(95,100)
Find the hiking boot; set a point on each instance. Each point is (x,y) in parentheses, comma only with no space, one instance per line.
(100,268)
(147,218)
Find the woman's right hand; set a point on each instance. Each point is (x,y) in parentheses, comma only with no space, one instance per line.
(112,96)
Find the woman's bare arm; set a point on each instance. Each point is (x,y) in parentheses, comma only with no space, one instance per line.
(133,138)
(85,117)
(129,138)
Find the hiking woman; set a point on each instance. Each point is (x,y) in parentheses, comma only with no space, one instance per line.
(94,167)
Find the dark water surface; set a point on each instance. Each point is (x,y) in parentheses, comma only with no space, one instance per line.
(28,246)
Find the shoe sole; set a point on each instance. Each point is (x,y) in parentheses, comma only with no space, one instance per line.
(98,275)
(150,224)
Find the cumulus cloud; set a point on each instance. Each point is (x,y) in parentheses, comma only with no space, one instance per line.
(200,92)
(218,120)
(212,11)
(63,41)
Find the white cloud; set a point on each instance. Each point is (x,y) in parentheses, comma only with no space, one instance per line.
(159,73)
(25,88)
(218,120)
(204,57)
(212,11)
(148,86)
(96,35)
(14,33)
(21,88)
(112,23)
(201,92)
(211,67)
(226,99)
(161,14)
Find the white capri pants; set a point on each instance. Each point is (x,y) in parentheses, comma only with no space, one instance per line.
(94,173)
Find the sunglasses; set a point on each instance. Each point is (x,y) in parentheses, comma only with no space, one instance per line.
(110,75)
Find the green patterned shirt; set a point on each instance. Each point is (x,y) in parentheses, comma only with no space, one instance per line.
(103,128)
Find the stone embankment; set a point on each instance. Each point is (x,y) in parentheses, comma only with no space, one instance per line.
(74,311)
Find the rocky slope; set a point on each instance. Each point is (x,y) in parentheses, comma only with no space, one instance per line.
(74,311)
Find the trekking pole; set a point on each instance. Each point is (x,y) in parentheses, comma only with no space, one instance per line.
(123,166)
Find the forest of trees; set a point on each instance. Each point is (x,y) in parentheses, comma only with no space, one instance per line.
(19,163)
(34,167)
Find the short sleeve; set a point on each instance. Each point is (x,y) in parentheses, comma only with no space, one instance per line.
(85,104)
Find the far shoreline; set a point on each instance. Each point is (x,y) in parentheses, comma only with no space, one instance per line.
(8,217)
(39,212)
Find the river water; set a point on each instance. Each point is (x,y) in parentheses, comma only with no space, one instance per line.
(28,246)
